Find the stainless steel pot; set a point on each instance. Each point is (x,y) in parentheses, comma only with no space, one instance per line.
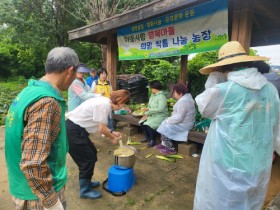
(124,156)
(127,162)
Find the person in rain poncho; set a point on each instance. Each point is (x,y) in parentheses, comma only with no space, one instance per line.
(79,91)
(156,112)
(176,128)
(236,160)
(271,76)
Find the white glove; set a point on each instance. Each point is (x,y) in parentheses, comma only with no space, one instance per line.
(215,78)
(57,206)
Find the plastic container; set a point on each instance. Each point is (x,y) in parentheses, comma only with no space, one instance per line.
(120,180)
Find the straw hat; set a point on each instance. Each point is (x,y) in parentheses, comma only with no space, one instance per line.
(230,53)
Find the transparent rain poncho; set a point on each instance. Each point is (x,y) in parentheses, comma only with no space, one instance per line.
(79,92)
(178,125)
(236,160)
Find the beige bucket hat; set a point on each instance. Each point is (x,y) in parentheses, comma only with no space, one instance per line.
(230,53)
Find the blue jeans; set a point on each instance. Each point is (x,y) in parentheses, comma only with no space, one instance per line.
(111,123)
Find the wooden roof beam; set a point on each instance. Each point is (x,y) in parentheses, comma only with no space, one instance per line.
(145,12)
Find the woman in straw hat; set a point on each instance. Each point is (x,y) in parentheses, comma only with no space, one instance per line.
(89,117)
(236,159)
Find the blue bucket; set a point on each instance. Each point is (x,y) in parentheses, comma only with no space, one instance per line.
(120,180)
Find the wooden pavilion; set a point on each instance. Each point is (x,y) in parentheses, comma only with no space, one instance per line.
(251,22)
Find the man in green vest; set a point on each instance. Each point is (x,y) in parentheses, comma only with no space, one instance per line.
(35,141)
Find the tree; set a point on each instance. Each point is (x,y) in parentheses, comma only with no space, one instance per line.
(35,27)
(8,61)
(197,80)
(98,10)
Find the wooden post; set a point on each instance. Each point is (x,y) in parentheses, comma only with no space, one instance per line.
(111,64)
(242,23)
(235,21)
(183,69)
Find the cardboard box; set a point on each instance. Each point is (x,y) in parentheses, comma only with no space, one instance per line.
(187,149)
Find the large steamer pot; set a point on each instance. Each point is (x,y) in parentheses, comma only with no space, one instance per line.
(126,162)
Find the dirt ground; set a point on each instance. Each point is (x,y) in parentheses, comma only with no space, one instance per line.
(159,184)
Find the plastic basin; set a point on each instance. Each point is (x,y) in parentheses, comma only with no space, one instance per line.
(120,180)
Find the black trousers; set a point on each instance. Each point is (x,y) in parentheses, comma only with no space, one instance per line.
(81,149)
(149,133)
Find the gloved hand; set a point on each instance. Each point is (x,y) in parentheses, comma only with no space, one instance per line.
(215,78)
(57,206)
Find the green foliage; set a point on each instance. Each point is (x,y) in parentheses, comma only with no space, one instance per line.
(161,70)
(8,60)
(132,66)
(253,52)
(197,80)
(167,70)
(31,29)
(31,62)
(8,91)
(22,80)
(89,53)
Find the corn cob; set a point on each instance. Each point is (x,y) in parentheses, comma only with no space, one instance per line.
(150,155)
(163,158)
(174,156)
(134,143)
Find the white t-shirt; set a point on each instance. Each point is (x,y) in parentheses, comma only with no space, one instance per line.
(91,113)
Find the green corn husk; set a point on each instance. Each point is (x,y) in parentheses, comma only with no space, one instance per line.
(174,156)
(163,158)
(128,141)
(134,143)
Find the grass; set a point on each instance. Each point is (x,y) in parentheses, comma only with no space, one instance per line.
(130,202)
(151,197)
(8,91)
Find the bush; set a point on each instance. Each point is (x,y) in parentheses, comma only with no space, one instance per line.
(8,91)
(161,70)
(22,80)
(197,80)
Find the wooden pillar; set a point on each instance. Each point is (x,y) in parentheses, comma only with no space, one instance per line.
(183,69)
(111,64)
(242,21)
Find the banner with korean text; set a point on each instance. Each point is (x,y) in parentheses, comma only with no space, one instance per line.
(200,28)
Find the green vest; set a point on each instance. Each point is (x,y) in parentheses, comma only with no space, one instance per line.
(13,139)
